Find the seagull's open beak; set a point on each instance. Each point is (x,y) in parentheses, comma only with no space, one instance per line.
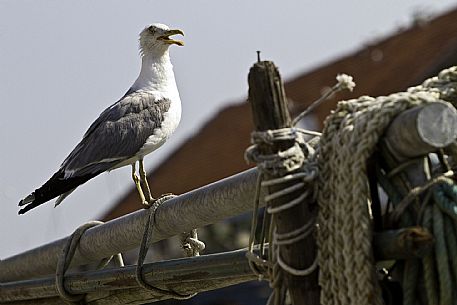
(166,38)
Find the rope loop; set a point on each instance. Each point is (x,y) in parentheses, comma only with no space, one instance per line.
(295,235)
(66,256)
(144,247)
(295,271)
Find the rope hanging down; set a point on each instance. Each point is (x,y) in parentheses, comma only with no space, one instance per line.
(347,274)
(192,246)
(65,259)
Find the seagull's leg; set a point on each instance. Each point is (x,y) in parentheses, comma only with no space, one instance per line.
(144,182)
(137,183)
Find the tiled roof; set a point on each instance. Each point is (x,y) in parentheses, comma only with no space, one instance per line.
(404,59)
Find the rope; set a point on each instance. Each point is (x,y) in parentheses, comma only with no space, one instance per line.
(415,192)
(442,86)
(350,136)
(437,214)
(257,263)
(297,165)
(294,271)
(347,274)
(428,262)
(295,235)
(66,256)
(410,275)
(191,245)
(144,247)
(444,275)
(344,82)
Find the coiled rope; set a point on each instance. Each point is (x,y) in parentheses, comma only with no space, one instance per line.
(347,274)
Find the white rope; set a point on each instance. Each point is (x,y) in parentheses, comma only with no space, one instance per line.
(284,191)
(291,165)
(295,271)
(288,205)
(295,235)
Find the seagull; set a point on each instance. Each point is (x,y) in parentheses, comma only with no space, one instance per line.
(124,133)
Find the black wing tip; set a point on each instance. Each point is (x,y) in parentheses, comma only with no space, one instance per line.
(28,207)
(29,202)
(53,188)
(24,210)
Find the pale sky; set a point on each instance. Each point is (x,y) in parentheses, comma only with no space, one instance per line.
(63,62)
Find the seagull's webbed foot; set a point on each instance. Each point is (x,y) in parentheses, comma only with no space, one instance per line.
(137,181)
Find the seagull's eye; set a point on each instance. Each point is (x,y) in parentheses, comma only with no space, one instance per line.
(152,29)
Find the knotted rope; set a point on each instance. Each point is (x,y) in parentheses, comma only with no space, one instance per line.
(191,245)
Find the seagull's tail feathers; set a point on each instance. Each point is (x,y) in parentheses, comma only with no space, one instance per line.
(58,185)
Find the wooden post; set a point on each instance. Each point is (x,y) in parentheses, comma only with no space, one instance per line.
(269,110)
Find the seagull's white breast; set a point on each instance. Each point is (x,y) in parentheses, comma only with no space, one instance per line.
(169,124)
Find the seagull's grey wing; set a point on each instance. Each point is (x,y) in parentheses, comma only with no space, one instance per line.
(117,135)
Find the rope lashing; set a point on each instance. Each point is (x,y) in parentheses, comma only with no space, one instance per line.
(293,236)
(65,260)
(295,164)
(144,247)
(295,271)
(284,161)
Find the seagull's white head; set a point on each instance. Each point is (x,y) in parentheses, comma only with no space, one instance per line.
(155,38)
